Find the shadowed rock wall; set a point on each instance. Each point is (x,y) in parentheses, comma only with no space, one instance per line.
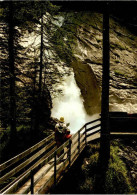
(87,82)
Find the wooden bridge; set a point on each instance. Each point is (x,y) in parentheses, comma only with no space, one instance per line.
(37,169)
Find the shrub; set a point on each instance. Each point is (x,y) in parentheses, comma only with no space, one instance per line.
(117,180)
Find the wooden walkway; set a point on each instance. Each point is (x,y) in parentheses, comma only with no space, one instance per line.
(38,169)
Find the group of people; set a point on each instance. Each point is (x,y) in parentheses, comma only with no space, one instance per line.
(62,133)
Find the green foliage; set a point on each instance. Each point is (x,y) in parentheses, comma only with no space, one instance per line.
(4,140)
(1,12)
(117,180)
(23,140)
(89,169)
(135,79)
(63,39)
(119,72)
(117,45)
(117,61)
(87,186)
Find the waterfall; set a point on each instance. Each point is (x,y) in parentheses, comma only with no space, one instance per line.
(70,105)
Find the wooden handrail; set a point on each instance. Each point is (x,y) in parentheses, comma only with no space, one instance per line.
(26,162)
(74,143)
(93,121)
(92,128)
(73,137)
(25,153)
(26,176)
(82,128)
(32,182)
(94,132)
(80,141)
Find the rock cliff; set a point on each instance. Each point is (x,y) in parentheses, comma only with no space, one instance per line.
(123,67)
(86,48)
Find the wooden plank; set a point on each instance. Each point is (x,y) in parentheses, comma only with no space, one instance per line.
(51,178)
(74,157)
(122,117)
(43,174)
(38,179)
(82,128)
(18,183)
(93,121)
(85,135)
(93,132)
(55,167)
(62,155)
(76,134)
(27,189)
(81,141)
(82,145)
(77,155)
(74,143)
(81,135)
(73,154)
(25,153)
(42,188)
(62,165)
(69,153)
(91,128)
(39,163)
(12,189)
(25,163)
(123,133)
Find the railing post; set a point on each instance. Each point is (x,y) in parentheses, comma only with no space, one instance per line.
(85,134)
(78,141)
(69,152)
(55,167)
(32,182)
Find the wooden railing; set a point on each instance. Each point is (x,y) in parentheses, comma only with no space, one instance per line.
(41,162)
(22,164)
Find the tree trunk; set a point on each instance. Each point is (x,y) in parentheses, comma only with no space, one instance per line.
(38,99)
(12,74)
(105,133)
(33,106)
(41,57)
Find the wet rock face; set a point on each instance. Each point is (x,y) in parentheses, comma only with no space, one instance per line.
(88,85)
(123,60)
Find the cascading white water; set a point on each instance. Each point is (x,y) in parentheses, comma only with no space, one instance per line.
(70,105)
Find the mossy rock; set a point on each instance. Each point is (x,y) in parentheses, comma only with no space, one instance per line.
(119,73)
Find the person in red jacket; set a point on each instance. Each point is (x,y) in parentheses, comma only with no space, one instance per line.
(67,135)
(60,131)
